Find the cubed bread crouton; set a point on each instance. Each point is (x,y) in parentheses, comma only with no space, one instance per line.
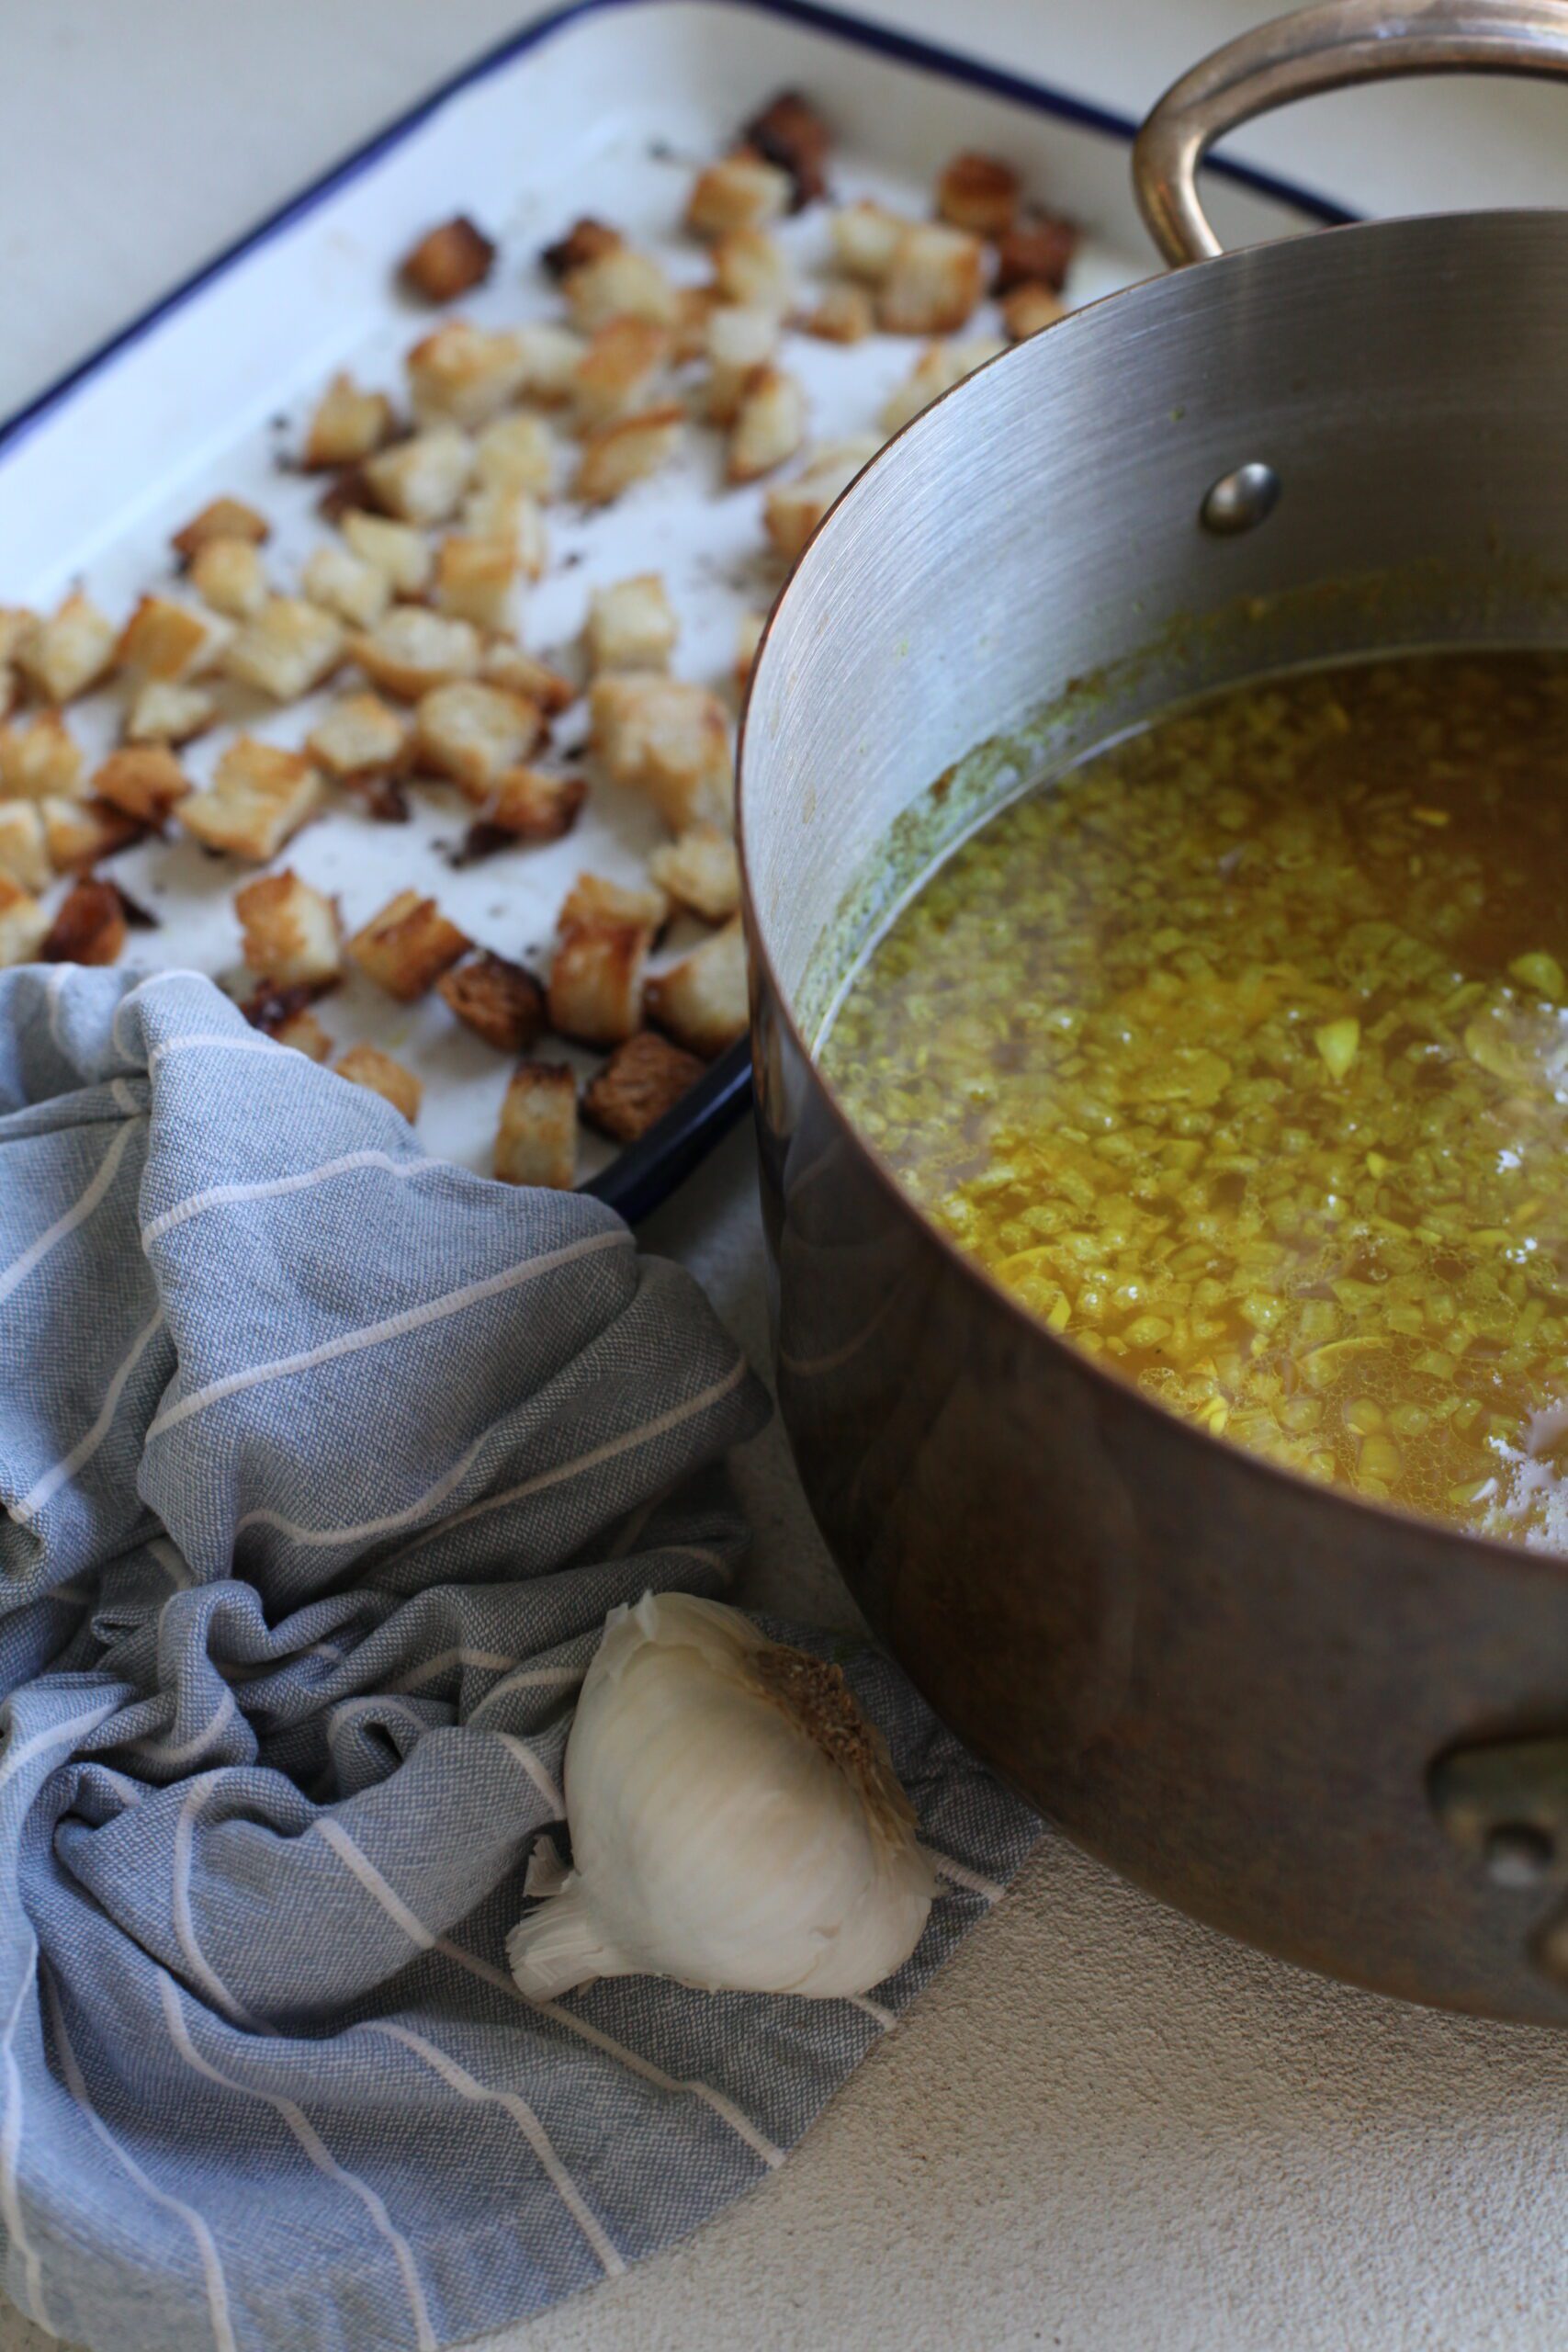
(395,549)
(40,760)
(620,369)
(792,135)
(290,931)
(936,371)
(346,425)
(411,649)
(614,456)
(145,780)
(88,927)
(448,260)
(533,806)
(667,739)
(739,341)
(347,584)
(24,848)
(260,796)
(694,306)
(536,1140)
(360,741)
(464,373)
(742,192)
(936,279)
(702,1001)
(517,453)
(865,238)
(160,712)
(170,640)
(593,897)
(498,1002)
(368,1066)
(770,425)
(17,624)
(230,575)
(407,946)
(700,871)
(643,1079)
(792,511)
(1036,250)
(220,518)
(272,1008)
(286,649)
(514,518)
(843,315)
(551,354)
(304,1033)
(476,577)
(596,981)
(587,240)
(978,192)
(748,638)
(620,284)
(472,733)
(506,665)
(1031,307)
(632,625)
(80,833)
(23,924)
(752,268)
(422,478)
(62,656)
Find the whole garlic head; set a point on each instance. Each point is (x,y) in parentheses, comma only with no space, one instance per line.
(736,1823)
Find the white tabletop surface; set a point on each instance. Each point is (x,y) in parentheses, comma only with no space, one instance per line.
(1104,2128)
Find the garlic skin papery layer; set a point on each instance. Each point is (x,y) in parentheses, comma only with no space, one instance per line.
(736,1823)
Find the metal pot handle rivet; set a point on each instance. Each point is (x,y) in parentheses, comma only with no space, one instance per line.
(1239,501)
(1505,1806)
(1325,47)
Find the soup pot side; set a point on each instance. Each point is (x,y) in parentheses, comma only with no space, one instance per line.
(1334,1731)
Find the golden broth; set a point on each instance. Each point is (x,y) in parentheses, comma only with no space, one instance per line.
(1240,1054)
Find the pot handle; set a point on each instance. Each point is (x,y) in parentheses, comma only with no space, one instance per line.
(1324,48)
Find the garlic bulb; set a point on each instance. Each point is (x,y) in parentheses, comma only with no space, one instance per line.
(735,1821)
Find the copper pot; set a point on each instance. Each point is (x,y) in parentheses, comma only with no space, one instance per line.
(1336,1730)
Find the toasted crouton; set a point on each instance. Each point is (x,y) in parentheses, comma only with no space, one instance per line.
(642,1080)
(422,480)
(702,1001)
(614,456)
(80,833)
(259,795)
(397,548)
(748,638)
(448,260)
(587,240)
(667,739)
(843,315)
(792,511)
(67,653)
(476,577)
(230,575)
(361,742)
(347,425)
(696,306)
(347,584)
(792,135)
(865,238)
(551,354)
(978,192)
(221,519)
(624,361)
(517,453)
(407,946)
(369,1067)
(290,931)
(17,624)
(498,1002)
(700,871)
(934,283)
(742,192)
(286,649)
(770,425)
(505,665)
(1038,250)
(596,978)
(536,1140)
(40,760)
(738,342)
(1029,308)
(593,897)
(937,368)
(302,1030)
(145,780)
(88,927)
(619,284)
(24,847)
(163,713)
(514,520)
(472,733)
(750,267)
(532,805)
(23,924)
(411,649)
(170,640)
(632,625)
(464,373)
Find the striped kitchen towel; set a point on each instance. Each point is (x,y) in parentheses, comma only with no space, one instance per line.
(320,1463)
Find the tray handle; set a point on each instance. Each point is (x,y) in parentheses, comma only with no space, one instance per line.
(1324,48)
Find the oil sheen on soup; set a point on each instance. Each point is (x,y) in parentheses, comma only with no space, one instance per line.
(1240,1054)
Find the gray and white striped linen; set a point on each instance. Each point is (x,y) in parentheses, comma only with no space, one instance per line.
(320,1464)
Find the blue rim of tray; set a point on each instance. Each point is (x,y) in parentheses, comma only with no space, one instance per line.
(648,1170)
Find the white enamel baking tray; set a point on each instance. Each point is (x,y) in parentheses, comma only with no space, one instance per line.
(605,108)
